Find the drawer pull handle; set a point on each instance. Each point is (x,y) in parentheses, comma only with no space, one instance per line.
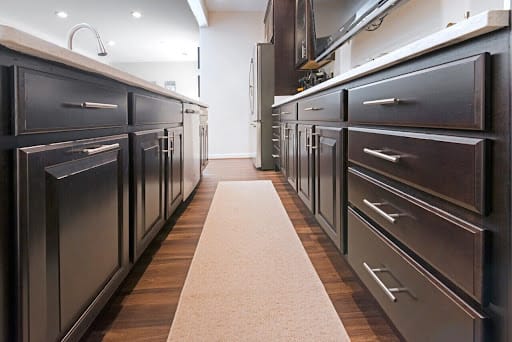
(375,206)
(276,114)
(390,101)
(312,109)
(379,154)
(388,291)
(276,127)
(275,140)
(103,148)
(285,113)
(190,111)
(275,156)
(94,105)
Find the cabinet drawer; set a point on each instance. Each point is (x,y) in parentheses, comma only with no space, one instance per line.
(327,107)
(452,168)
(452,95)
(288,111)
(421,308)
(49,102)
(453,247)
(147,110)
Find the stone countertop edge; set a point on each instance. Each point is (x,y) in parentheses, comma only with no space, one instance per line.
(469,28)
(25,43)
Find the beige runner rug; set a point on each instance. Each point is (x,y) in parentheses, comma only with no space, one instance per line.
(250,278)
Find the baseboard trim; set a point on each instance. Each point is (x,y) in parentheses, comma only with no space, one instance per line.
(229,156)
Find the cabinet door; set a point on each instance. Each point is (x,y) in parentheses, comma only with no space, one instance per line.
(174,169)
(284,149)
(148,187)
(330,182)
(73,232)
(291,164)
(305,169)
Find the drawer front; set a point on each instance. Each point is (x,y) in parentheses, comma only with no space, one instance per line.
(147,110)
(419,306)
(288,111)
(327,107)
(48,103)
(425,161)
(452,95)
(453,247)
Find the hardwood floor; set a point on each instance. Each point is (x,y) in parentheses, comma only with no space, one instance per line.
(144,306)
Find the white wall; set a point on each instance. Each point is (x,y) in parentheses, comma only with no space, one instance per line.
(413,20)
(184,73)
(226,49)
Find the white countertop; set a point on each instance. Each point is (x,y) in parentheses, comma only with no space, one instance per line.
(20,41)
(472,27)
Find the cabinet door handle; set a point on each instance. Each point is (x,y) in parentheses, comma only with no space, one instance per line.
(390,101)
(388,291)
(275,140)
(189,111)
(275,156)
(103,148)
(276,114)
(379,154)
(272,126)
(312,109)
(285,113)
(375,207)
(95,105)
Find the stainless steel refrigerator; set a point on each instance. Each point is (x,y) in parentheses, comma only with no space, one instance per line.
(261,97)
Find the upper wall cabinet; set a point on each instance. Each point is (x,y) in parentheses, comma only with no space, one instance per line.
(279,29)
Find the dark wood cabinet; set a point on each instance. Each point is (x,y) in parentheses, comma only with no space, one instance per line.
(306,165)
(148,174)
(73,234)
(330,190)
(174,169)
(290,135)
(279,30)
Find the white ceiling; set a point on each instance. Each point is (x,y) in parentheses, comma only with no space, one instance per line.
(236,5)
(167,30)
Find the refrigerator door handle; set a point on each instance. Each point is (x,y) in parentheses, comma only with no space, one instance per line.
(251,85)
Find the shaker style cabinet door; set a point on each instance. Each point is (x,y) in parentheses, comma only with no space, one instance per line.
(174,170)
(306,166)
(330,184)
(291,162)
(72,232)
(148,209)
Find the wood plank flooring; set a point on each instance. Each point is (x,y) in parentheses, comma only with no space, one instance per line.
(144,306)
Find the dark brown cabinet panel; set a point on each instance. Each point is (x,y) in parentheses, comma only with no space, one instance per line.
(306,165)
(174,170)
(426,161)
(73,233)
(291,154)
(420,306)
(455,248)
(451,95)
(330,190)
(147,109)
(325,107)
(148,212)
(50,102)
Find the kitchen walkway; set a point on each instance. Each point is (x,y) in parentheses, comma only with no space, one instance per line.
(144,306)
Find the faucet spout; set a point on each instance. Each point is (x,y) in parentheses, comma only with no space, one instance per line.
(101,48)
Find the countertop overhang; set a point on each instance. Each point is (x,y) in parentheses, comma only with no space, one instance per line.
(469,28)
(28,44)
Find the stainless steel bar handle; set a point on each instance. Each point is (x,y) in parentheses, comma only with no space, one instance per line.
(276,114)
(390,101)
(103,148)
(375,206)
(372,272)
(272,126)
(275,156)
(379,154)
(312,108)
(95,105)
(275,140)
(284,113)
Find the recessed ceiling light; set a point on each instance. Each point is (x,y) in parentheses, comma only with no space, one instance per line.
(61,14)
(111,43)
(136,14)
